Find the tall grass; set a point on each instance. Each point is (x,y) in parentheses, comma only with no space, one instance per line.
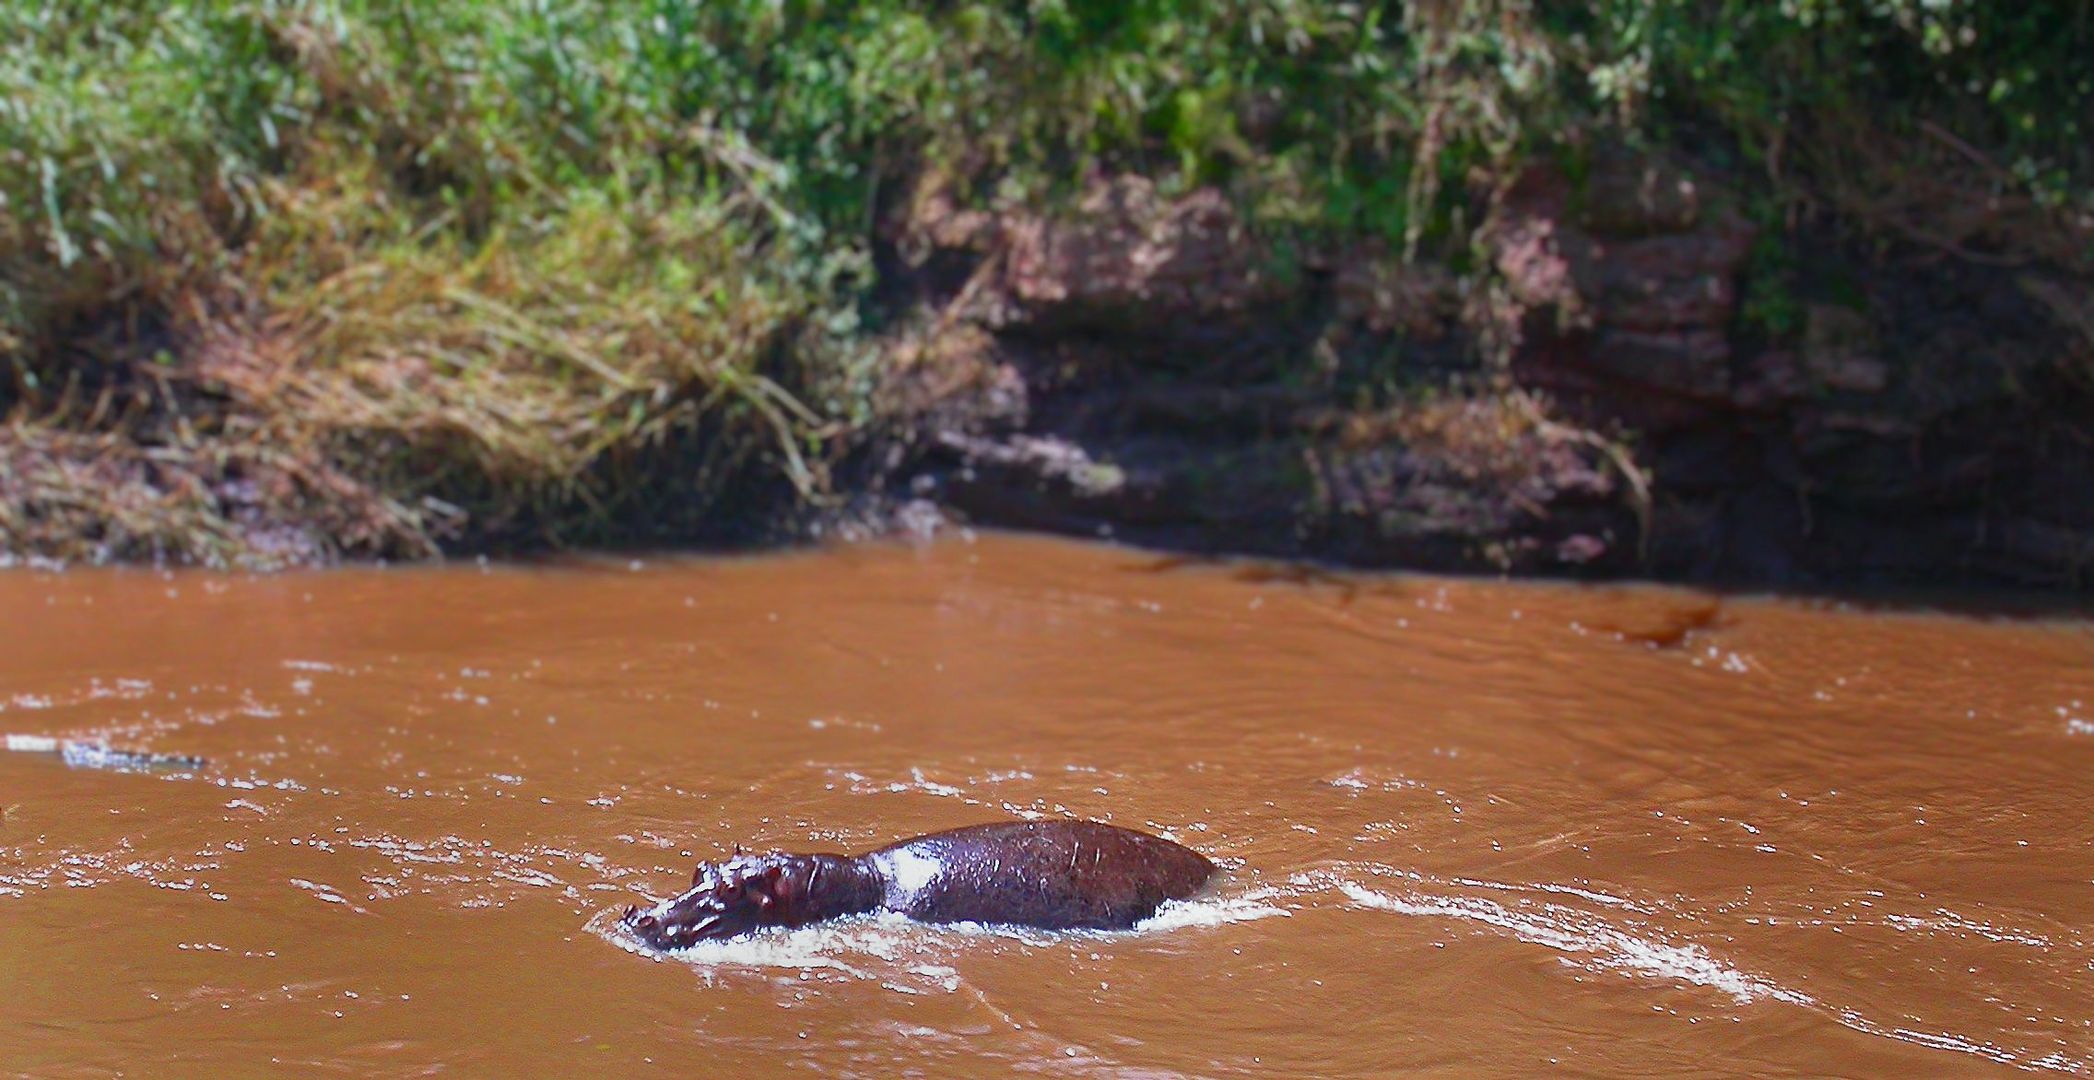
(390,256)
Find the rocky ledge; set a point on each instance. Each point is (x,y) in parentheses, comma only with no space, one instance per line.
(1592,402)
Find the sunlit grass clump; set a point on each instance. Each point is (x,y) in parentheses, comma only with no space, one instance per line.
(286,281)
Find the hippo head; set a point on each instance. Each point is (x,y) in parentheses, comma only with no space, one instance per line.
(727,898)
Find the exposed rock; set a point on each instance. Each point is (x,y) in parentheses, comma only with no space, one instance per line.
(1631,194)
(1380,292)
(1131,369)
(1690,362)
(1480,481)
(1537,254)
(1129,253)
(1124,257)
(1840,350)
(1044,459)
(1579,549)
(1770,379)
(1648,270)
(950,376)
(1040,380)
(2029,541)
(935,220)
(1659,283)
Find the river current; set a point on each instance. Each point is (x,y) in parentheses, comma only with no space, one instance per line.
(1468,828)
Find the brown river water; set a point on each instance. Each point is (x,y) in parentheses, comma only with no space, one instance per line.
(1469,828)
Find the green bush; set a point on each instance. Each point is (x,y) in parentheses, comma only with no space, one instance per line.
(2015,80)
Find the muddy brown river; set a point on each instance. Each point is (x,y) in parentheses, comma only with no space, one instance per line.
(1468,828)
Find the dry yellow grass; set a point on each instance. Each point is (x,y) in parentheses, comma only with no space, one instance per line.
(377,389)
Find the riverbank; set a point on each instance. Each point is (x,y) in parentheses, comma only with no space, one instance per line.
(1124,371)
(1739,296)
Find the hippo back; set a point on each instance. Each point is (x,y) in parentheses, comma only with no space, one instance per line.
(1048,874)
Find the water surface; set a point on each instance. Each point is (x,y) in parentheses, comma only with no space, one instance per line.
(1471,829)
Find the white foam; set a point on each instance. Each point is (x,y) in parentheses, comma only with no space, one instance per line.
(1596,897)
(825,947)
(1948,922)
(327,893)
(1213,911)
(2056,1061)
(1571,931)
(908,956)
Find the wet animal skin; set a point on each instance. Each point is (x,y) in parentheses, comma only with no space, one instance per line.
(1052,875)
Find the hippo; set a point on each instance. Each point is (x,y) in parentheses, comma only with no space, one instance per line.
(1049,875)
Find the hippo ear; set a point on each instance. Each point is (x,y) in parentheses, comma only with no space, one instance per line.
(772,874)
(737,851)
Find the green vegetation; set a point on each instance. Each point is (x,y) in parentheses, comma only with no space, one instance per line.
(380,272)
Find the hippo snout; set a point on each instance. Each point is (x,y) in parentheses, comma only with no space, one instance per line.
(682,923)
(646,926)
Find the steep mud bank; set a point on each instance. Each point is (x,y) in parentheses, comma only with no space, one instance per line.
(1626,377)
(1592,399)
